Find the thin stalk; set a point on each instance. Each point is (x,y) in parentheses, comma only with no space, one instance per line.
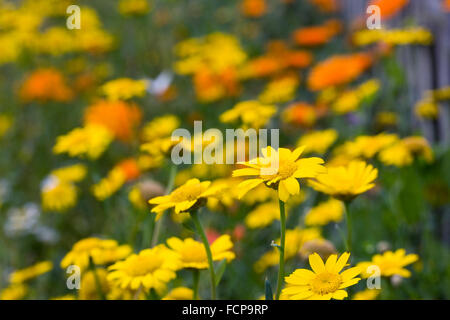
(348,220)
(281,249)
(202,234)
(196,278)
(158,224)
(98,285)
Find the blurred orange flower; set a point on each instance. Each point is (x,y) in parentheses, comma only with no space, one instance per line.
(130,169)
(253,8)
(118,116)
(326,6)
(300,113)
(45,85)
(337,70)
(389,8)
(317,35)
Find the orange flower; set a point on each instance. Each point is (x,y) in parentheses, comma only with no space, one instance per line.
(118,116)
(45,85)
(446,5)
(253,8)
(389,8)
(317,35)
(210,86)
(337,70)
(130,169)
(300,113)
(326,6)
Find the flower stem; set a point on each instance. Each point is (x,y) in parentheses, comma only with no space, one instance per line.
(196,278)
(201,232)
(281,249)
(349,227)
(157,227)
(98,285)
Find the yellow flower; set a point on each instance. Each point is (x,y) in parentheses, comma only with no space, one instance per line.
(324,213)
(150,268)
(193,254)
(368,146)
(318,141)
(89,287)
(263,215)
(390,263)
(22,275)
(110,184)
(133,7)
(124,88)
(368,294)
(325,282)
(73,173)
(279,169)
(295,239)
(101,251)
(91,140)
(280,90)
(427,109)
(64,297)
(397,155)
(346,182)
(415,35)
(179,293)
(252,113)
(184,198)
(58,195)
(160,127)
(14,292)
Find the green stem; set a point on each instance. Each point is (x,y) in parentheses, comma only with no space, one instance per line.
(349,228)
(98,285)
(202,234)
(281,249)
(196,278)
(158,224)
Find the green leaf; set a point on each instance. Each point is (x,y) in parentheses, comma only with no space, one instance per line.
(220,271)
(268,290)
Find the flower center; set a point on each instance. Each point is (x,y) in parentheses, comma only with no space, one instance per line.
(325,283)
(186,193)
(287,169)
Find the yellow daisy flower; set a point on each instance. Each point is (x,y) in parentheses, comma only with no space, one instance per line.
(101,251)
(187,197)
(124,88)
(324,213)
(279,169)
(149,269)
(346,182)
(324,282)
(22,275)
(89,289)
(193,254)
(252,113)
(318,141)
(14,292)
(390,263)
(368,294)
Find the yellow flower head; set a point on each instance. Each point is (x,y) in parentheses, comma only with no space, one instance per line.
(324,282)
(187,197)
(91,141)
(101,251)
(390,263)
(89,287)
(252,113)
(73,173)
(150,268)
(318,141)
(58,195)
(263,215)
(133,7)
(279,169)
(180,293)
(193,254)
(280,90)
(368,294)
(346,182)
(14,292)
(160,127)
(368,146)
(124,88)
(324,213)
(22,275)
